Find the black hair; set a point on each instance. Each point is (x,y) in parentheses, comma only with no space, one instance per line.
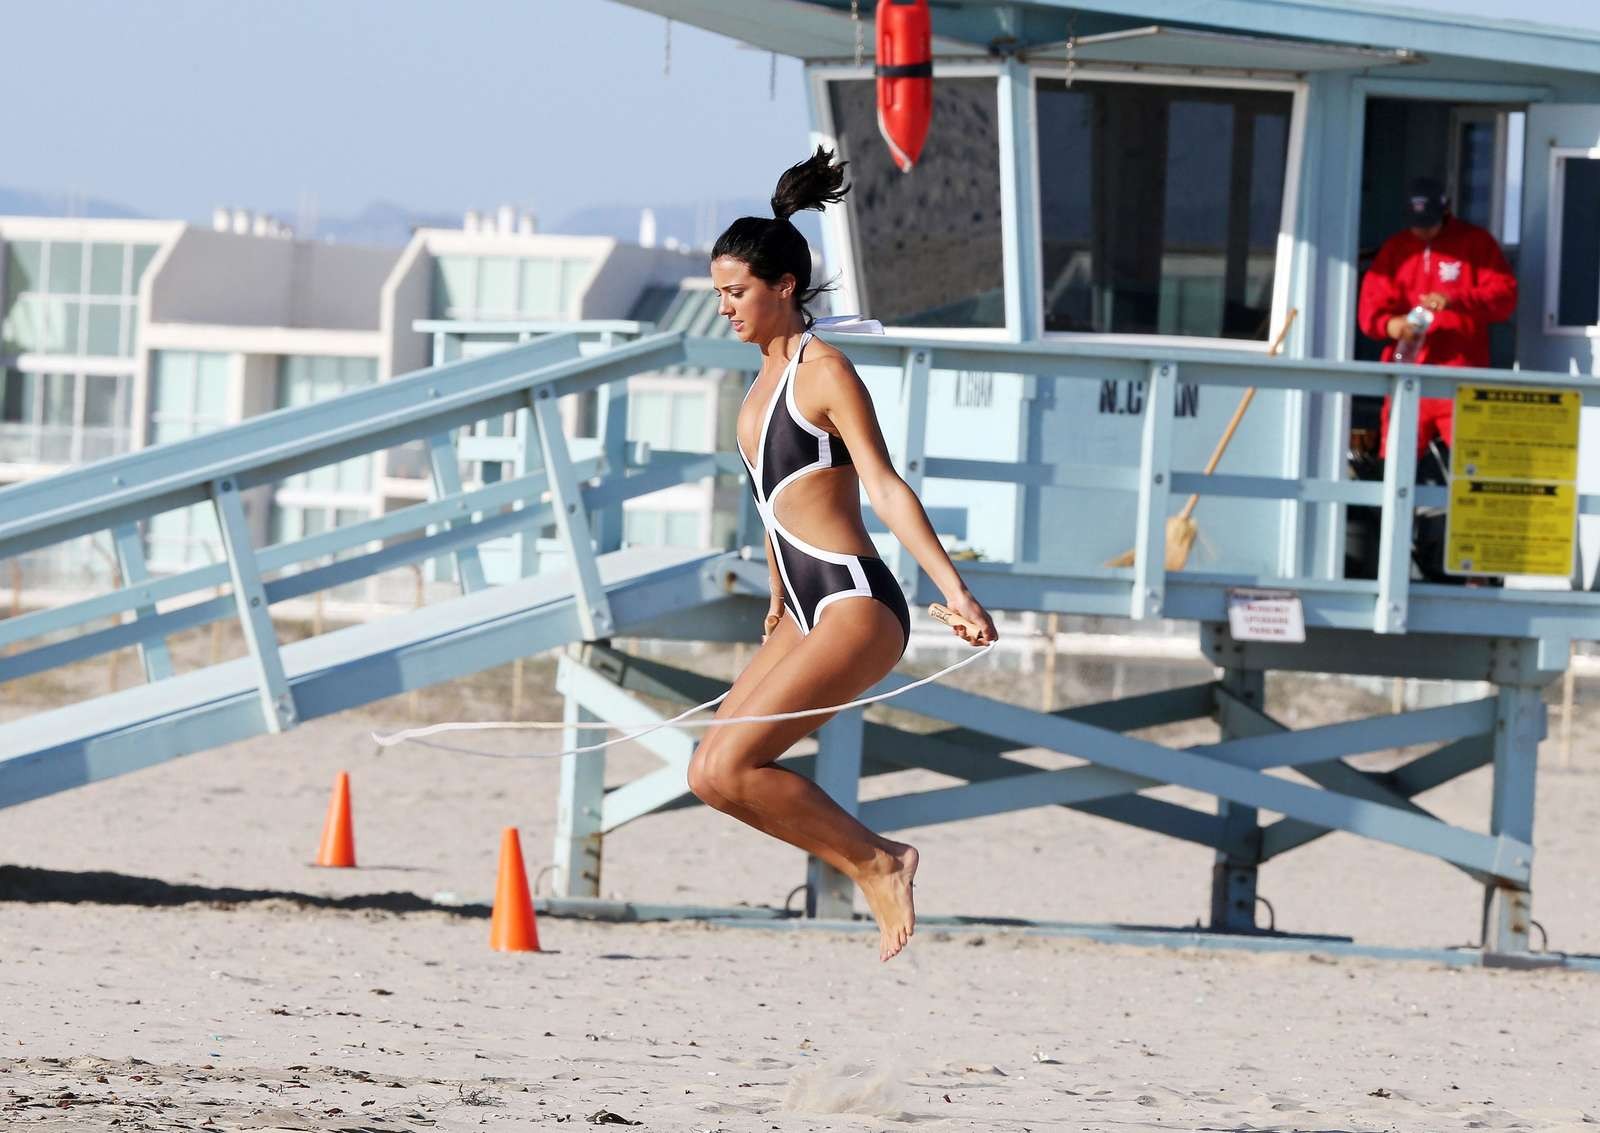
(772,247)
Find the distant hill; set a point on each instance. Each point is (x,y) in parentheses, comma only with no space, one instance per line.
(26,202)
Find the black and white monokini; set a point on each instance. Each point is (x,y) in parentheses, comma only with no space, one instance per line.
(791,447)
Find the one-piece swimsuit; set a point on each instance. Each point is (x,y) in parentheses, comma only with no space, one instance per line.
(791,447)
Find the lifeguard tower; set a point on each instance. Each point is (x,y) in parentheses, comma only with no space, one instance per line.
(1117,208)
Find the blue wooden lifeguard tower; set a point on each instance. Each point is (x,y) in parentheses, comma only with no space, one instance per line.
(1119,204)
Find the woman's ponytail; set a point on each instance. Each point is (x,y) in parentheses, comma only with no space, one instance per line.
(814,183)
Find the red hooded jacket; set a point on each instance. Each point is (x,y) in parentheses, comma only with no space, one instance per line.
(1465,265)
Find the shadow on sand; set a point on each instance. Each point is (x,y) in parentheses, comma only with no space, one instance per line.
(29,885)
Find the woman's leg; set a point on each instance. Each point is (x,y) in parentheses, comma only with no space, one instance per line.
(854,645)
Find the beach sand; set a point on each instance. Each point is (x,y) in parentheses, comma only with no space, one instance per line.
(169,959)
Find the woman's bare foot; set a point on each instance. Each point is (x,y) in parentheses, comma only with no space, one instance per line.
(887,888)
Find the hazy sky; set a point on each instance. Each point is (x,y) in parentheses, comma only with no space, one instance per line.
(173,106)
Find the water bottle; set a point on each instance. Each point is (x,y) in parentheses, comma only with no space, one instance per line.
(1419,319)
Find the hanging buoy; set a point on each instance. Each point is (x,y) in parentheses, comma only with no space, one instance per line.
(905,77)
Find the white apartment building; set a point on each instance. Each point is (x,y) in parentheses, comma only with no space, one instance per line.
(115,335)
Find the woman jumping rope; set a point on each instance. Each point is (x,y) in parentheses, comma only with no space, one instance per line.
(810,442)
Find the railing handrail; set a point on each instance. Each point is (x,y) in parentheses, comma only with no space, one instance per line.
(1064,357)
(410,407)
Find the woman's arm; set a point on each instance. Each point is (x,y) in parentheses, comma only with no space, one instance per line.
(775,602)
(845,399)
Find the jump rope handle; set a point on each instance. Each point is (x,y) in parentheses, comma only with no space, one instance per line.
(955,621)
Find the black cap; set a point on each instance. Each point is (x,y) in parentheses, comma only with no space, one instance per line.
(1425,203)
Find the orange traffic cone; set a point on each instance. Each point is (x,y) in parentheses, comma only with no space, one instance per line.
(512,928)
(338,836)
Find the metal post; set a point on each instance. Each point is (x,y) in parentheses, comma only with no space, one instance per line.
(612,426)
(1019,184)
(1233,872)
(446,483)
(578,836)
(914,377)
(1519,726)
(130,558)
(572,519)
(1399,477)
(1155,486)
(277,702)
(830,895)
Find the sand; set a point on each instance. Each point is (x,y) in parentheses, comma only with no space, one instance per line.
(170,960)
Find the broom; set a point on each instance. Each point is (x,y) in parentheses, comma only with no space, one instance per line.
(1181,528)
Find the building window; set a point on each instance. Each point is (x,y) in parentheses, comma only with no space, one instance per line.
(1574,298)
(652,527)
(51,418)
(188,394)
(303,379)
(72,297)
(507,287)
(672,420)
(1160,207)
(928,245)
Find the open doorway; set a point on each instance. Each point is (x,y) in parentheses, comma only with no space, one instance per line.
(1475,150)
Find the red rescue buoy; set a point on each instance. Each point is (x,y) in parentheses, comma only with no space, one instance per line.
(905,77)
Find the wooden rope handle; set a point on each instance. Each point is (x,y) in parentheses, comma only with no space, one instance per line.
(1238,414)
(955,621)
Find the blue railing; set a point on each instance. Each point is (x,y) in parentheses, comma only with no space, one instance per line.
(583,498)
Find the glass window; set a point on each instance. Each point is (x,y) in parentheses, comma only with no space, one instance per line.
(682,529)
(541,289)
(454,282)
(188,394)
(648,418)
(497,287)
(1475,173)
(574,274)
(641,526)
(689,422)
(56,321)
(18,402)
(25,326)
(142,255)
(105,268)
(304,378)
(58,407)
(66,267)
(104,404)
(211,387)
(105,329)
(24,267)
(928,242)
(1145,231)
(1578,287)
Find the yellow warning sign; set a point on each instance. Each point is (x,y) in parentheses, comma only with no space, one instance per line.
(1501,527)
(1515,433)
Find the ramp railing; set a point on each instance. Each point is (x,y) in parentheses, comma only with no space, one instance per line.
(231,470)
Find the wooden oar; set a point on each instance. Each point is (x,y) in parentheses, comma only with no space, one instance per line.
(1181,528)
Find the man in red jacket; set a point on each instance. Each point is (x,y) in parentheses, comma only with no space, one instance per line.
(1452,268)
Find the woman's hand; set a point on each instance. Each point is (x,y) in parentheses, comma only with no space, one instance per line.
(971,609)
(774,616)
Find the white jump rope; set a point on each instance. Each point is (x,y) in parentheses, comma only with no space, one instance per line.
(420,736)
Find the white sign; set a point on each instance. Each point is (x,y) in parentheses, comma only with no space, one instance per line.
(1266,615)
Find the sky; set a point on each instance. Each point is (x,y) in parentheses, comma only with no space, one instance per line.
(175,106)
